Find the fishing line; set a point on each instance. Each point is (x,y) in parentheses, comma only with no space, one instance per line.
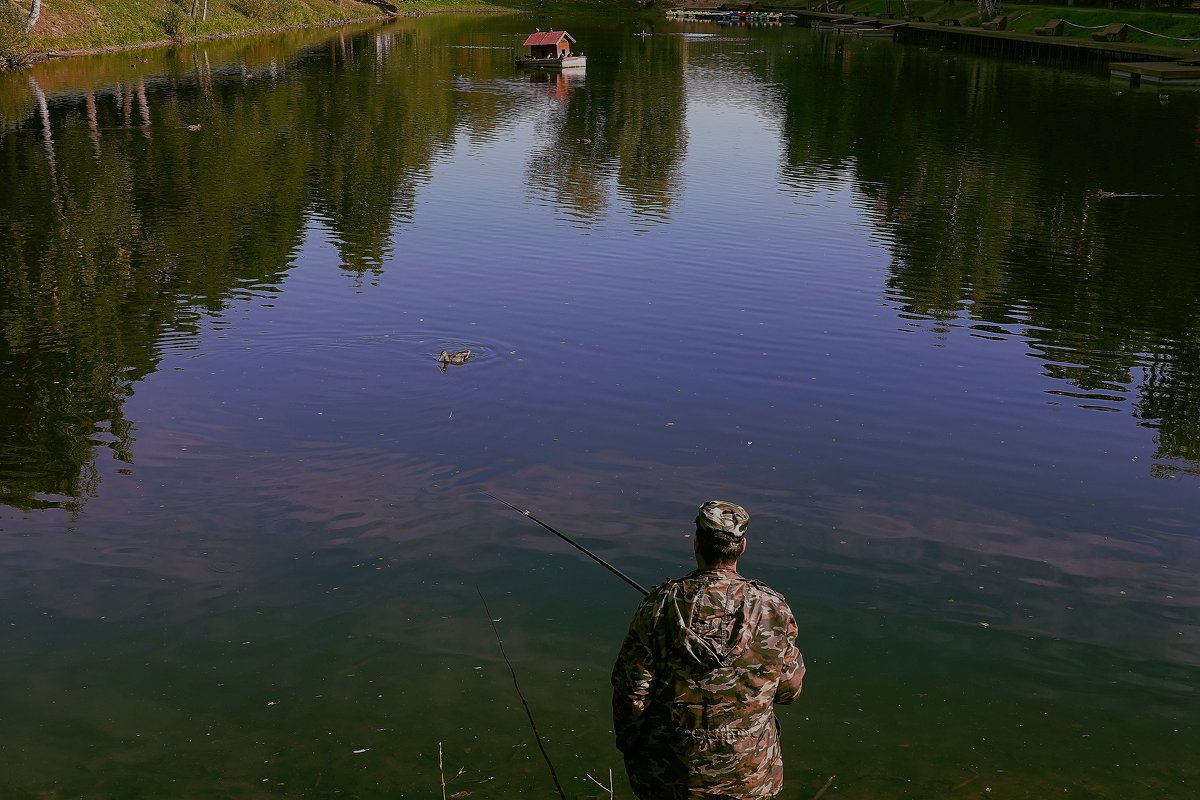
(495,630)
(528,711)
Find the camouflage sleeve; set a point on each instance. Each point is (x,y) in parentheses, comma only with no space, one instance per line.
(791,680)
(632,677)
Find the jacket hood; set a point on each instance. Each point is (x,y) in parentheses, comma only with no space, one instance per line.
(709,614)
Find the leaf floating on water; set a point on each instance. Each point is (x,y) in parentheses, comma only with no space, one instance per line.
(463,793)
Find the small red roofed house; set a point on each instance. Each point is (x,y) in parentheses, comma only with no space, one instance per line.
(549,44)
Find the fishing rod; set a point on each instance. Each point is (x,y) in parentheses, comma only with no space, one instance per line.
(576,545)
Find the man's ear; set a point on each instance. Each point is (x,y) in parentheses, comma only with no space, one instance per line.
(742,552)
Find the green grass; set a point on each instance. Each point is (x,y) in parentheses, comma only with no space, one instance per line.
(88,24)
(1182,26)
(14,44)
(1024,18)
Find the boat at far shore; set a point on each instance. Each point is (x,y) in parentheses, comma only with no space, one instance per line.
(551,50)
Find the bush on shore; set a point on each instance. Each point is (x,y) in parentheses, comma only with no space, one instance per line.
(14,42)
(175,22)
(266,10)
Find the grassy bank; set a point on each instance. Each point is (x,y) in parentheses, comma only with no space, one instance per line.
(1024,18)
(1172,27)
(73,25)
(81,25)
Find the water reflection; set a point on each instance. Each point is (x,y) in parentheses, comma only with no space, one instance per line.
(999,226)
(1001,212)
(237,167)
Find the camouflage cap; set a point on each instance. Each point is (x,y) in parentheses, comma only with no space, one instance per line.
(728,519)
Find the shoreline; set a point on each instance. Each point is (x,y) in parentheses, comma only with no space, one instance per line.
(41,56)
(966,33)
(36,56)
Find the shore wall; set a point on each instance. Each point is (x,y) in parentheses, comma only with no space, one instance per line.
(1018,45)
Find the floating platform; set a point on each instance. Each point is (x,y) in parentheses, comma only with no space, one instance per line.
(857,32)
(569,62)
(859,28)
(717,14)
(1171,73)
(550,50)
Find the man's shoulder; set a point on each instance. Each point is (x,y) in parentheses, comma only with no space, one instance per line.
(660,592)
(767,590)
(654,599)
(657,591)
(699,577)
(772,597)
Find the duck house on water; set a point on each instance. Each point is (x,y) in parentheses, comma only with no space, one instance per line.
(550,49)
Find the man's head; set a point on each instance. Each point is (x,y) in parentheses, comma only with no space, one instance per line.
(720,533)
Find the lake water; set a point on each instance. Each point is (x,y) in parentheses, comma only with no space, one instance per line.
(876,293)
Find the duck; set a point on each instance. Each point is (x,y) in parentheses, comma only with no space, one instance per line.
(457,357)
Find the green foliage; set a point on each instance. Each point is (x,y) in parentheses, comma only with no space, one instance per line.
(175,22)
(267,10)
(14,42)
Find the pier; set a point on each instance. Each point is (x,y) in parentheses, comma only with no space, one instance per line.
(1170,73)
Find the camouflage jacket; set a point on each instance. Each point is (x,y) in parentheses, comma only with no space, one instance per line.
(705,659)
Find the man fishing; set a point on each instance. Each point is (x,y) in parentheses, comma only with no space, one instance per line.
(706,659)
